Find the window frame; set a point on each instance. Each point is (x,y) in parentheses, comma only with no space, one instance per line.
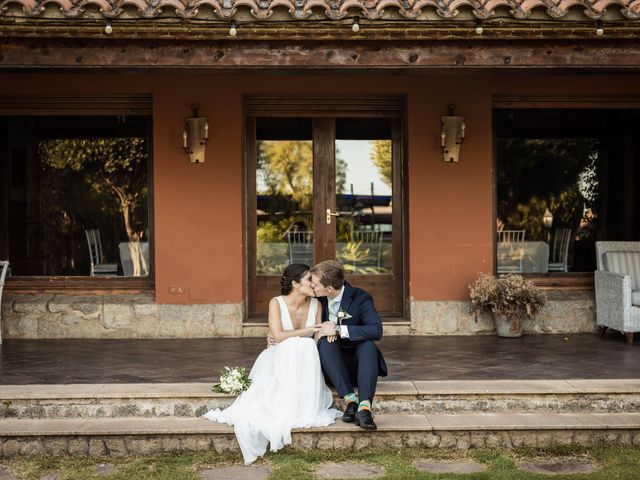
(95,105)
(553,280)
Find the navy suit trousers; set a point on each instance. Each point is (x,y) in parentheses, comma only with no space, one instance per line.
(349,365)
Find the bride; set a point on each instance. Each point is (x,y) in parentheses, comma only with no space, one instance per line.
(287,389)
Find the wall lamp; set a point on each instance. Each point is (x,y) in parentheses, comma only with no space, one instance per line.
(195,135)
(451,135)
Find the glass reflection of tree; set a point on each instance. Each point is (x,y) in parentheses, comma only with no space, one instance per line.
(358,257)
(285,185)
(381,156)
(286,168)
(285,173)
(86,181)
(536,174)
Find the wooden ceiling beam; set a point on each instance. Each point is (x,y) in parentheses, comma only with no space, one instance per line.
(324,31)
(36,54)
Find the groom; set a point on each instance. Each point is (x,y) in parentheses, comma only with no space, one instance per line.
(348,354)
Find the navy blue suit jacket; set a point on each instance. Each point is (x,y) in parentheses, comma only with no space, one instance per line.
(364,324)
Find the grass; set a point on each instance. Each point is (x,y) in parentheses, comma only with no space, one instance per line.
(612,462)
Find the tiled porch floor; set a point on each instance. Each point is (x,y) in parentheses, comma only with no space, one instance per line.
(556,357)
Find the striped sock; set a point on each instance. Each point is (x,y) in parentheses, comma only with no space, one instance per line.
(364,405)
(350,397)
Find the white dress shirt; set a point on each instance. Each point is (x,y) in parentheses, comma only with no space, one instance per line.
(334,307)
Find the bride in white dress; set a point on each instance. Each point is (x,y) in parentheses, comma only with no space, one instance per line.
(287,389)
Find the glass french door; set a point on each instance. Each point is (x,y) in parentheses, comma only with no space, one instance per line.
(325,188)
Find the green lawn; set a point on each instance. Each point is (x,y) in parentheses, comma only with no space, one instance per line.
(613,462)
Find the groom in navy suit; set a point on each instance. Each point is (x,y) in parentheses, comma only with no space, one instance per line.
(348,354)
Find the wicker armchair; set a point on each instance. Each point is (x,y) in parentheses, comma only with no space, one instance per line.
(617,283)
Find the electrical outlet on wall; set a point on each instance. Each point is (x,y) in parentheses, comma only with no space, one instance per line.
(177,290)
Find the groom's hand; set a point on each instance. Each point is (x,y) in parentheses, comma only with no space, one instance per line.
(327,329)
(271,339)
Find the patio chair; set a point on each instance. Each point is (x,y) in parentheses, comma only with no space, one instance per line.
(617,282)
(371,240)
(511,236)
(98,266)
(4,266)
(560,252)
(510,251)
(300,244)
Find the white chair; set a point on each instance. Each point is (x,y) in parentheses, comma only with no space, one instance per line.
(510,251)
(511,236)
(98,266)
(617,282)
(371,240)
(560,252)
(300,247)
(4,266)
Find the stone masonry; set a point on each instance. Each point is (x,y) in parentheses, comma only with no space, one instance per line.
(123,445)
(139,316)
(565,312)
(114,316)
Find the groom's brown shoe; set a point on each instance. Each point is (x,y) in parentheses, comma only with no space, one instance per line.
(364,419)
(350,412)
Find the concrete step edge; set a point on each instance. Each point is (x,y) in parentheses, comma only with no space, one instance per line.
(386,423)
(385,389)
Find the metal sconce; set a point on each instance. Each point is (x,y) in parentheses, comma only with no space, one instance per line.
(451,135)
(195,135)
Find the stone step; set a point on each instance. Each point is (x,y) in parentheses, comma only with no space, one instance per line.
(143,436)
(418,397)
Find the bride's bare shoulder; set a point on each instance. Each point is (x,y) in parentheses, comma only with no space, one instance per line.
(274,300)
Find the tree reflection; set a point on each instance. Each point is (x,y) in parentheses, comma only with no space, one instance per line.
(555,173)
(87,181)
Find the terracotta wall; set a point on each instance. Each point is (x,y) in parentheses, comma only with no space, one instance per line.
(199,208)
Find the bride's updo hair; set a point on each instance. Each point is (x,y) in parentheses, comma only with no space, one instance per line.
(293,273)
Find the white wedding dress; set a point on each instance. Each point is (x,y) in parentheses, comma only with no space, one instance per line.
(287,391)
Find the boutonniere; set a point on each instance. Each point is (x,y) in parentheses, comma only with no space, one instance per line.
(342,315)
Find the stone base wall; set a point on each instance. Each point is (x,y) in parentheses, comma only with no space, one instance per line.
(139,316)
(310,440)
(114,316)
(431,404)
(565,312)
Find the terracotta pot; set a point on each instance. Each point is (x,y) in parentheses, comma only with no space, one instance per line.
(508,328)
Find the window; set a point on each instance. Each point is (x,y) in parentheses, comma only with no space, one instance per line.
(75,195)
(565,178)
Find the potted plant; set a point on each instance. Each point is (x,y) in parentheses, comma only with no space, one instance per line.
(509,298)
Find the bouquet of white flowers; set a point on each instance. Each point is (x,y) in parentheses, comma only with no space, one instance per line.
(233,380)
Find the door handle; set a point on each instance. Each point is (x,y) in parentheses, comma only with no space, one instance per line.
(331,214)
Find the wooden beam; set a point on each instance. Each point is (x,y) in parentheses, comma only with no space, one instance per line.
(563,281)
(93,285)
(311,30)
(83,55)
